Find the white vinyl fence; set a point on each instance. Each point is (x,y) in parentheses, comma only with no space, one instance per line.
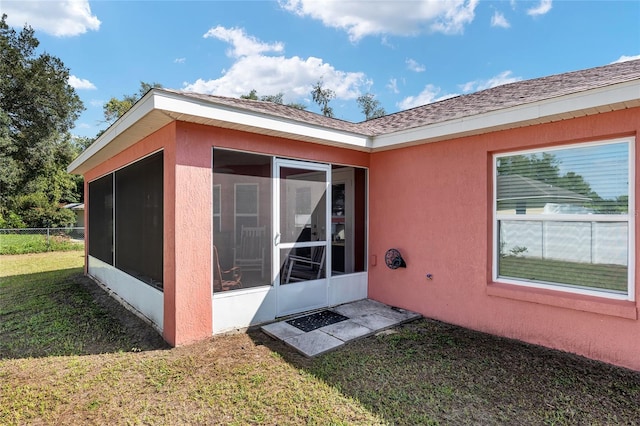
(586,242)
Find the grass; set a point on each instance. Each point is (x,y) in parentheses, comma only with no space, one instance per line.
(600,276)
(44,314)
(424,372)
(36,243)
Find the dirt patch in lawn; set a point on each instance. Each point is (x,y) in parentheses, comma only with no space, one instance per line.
(142,335)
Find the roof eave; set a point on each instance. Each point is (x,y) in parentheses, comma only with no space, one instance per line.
(594,101)
(158,108)
(119,136)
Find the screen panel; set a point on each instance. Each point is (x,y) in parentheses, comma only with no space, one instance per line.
(139,219)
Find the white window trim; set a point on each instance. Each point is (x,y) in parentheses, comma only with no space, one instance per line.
(629,218)
(218,216)
(236,215)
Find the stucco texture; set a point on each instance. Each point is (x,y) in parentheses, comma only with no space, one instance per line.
(433,202)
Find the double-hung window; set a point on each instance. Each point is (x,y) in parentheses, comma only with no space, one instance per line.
(564,218)
(246,206)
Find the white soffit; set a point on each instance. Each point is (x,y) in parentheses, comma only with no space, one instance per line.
(158,108)
(194,110)
(140,121)
(609,98)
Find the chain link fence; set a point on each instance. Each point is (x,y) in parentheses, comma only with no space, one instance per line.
(36,240)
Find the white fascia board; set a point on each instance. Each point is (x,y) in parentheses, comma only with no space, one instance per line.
(193,109)
(179,104)
(139,110)
(546,110)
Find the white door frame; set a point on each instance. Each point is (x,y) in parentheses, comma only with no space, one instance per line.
(305,295)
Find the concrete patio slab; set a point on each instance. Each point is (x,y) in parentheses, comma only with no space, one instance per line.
(347,330)
(314,343)
(281,330)
(365,317)
(399,314)
(361,307)
(375,321)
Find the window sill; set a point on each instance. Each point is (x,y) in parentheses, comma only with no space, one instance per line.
(593,304)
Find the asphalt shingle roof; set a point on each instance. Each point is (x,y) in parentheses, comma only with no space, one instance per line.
(506,96)
(496,98)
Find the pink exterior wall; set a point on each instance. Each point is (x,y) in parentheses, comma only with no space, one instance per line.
(192,213)
(188,210)
(434,203)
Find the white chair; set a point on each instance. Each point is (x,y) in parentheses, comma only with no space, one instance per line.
(300,268)
(250,253)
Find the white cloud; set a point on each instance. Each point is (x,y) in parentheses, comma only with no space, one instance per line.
(80,83)
(393,85)
(415,66)
(498,20)
(269,75)
(625,58)
(360,19)
(59,18)
(541,9)
(429,95)
(504,77)
(242,44)
(180,60)
(432,93)
(98,103)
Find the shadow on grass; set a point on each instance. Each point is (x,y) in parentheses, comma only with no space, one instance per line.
(61,312)
(428,372)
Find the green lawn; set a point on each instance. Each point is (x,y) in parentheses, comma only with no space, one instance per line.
(599,276)
(44,312)
(36,243)
(67,357)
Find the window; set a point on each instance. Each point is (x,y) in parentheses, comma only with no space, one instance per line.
(126,219)
(246,206)
(217,209)
(101,218)
(242,220)
(562,218)
(139,219)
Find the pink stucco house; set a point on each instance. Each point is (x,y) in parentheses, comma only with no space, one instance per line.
(514,209)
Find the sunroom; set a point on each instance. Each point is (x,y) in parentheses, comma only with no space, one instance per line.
(208,214)
(288,236)
(205,218)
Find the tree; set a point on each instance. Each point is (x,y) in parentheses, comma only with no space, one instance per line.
(116,108)
(545,168)
(253,95)
(37,110)
(322,97)
(276,99)
(370,106)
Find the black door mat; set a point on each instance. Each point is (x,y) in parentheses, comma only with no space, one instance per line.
(319,319)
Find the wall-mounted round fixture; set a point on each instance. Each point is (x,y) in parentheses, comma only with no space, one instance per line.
(394,259)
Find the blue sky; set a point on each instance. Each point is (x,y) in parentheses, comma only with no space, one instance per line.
(406,53)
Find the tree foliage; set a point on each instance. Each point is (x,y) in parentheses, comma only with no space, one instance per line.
(370,106)
(322,97)
(276,99)
(545,168)
(37,110)
(115,108)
